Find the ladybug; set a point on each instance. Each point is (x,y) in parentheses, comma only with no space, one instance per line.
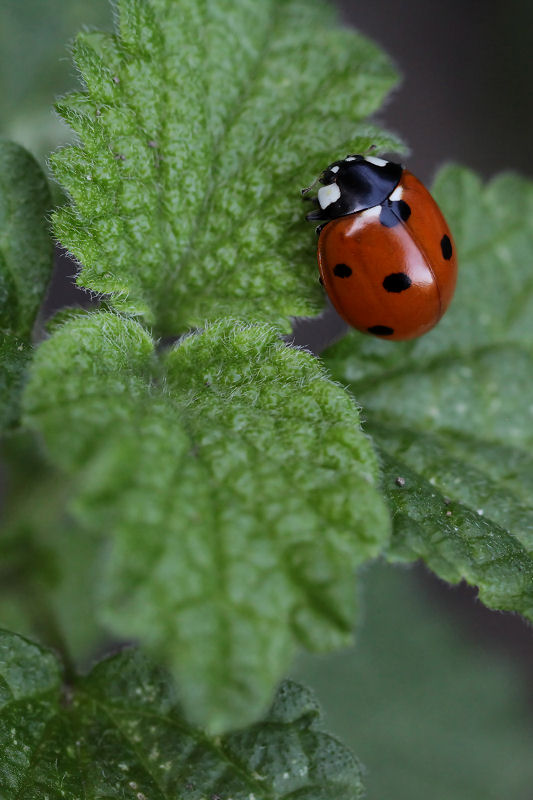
(385,253)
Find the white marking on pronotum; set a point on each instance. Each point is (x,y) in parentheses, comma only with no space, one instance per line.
(397,194)
(379,162)
(368,213)
(328,195)
(350,158)
(335,169)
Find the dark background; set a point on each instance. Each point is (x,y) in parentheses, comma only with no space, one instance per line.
(437,698)
(467,92)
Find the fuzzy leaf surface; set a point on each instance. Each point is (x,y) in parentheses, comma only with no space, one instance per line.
(214,469)
(119,732)
(453,411)
(26,254)
(195,141)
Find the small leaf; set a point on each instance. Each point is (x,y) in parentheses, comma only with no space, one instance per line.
(199,124)
(453,411)
(26,254)
(119,733)
(25,244)
(237,487)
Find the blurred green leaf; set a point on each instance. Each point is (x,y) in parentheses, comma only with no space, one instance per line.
(14,357)
(34,66)
(453,411)
(49,569)
(194,130)
(26,259)
(119,732)
(227,551)
(26,248)
(434,703)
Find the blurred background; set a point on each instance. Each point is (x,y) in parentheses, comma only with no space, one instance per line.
(437,697)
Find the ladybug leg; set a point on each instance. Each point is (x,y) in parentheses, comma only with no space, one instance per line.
(308,199)
(318,214)
(318,228)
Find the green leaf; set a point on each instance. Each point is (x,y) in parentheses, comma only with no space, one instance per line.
(119,732)
(453,411)
(26,254)
(14,356)
(32,67)
(25,244)
(460,679)
(236,485)
(199,124)
(48,569)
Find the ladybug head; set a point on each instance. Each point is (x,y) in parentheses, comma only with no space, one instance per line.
(354,184)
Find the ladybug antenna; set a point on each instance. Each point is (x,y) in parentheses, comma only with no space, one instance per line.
(369,149)
(308,189)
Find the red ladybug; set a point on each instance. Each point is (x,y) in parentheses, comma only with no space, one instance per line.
(385,253)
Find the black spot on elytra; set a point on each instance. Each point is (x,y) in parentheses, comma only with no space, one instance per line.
(446,247)
(342,270)
(404,209)
(397,282)
(381,330)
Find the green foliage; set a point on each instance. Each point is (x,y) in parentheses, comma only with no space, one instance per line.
(227,549)
(429,694)
(48,569)
(199,124)
(453,411)
(213,499)
(14,355)
(32,66)
(119,732)
(25,244)
(25,264)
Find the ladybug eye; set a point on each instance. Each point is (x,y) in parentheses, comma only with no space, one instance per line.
(328,176)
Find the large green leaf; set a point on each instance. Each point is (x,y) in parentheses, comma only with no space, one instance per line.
(25,265)
(236,486)
(453,411)
(200,122)
(119,732)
